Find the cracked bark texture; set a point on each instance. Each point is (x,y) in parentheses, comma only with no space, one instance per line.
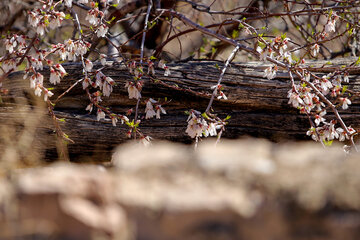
(258,107)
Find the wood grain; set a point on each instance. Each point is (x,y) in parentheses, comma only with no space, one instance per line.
(258,107)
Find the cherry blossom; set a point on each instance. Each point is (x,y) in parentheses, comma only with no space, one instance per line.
(114,120)
(159,110)
(103,59)
(133,90)
(56,73)
(319,118)
(89,107)
(47,94)
(270,72)
(102,30)
(100,115)
(149,110)
(8,65)
(88,65)
(345,102)
(107,86)
(93,16)
(145,140)
(315,49)
(68,3)
(196,126)
(10,44)
(294,99)
(330,26)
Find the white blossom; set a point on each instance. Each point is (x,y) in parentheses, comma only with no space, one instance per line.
(319,118)
(159,110)
(294,99)
(133,90)
(47,94)
(167,71)
(88,65)
(10,44)
(345,102)
(68,3)
(145,140)
(315,49)
(102,30)
(100,115)
(149,110)
(89,107)
(270,72)
(103,59)
(114,120)
(196,126)
(330,26)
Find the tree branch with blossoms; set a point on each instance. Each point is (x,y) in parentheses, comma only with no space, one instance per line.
(100,43)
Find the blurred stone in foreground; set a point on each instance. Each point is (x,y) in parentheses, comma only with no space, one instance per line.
(249,189)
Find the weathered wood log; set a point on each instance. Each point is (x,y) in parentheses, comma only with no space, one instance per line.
(257,106)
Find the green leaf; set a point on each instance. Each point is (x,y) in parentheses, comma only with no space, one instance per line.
(357,61)
(227,117)
(205,115)
(153,58)
(61,119)
(68,16)
(213,50)
(344,89)
(328,143)
(235,34)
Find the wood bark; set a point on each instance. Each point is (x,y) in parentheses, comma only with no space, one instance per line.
(258,107)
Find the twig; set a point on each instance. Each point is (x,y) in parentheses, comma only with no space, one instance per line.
(230,58)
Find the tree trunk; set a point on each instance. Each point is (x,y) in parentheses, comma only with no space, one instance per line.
(258,107)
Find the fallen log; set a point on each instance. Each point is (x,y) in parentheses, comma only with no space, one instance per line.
(258,107)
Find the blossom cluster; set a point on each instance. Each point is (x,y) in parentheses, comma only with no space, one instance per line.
(303,97)
(198,126)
